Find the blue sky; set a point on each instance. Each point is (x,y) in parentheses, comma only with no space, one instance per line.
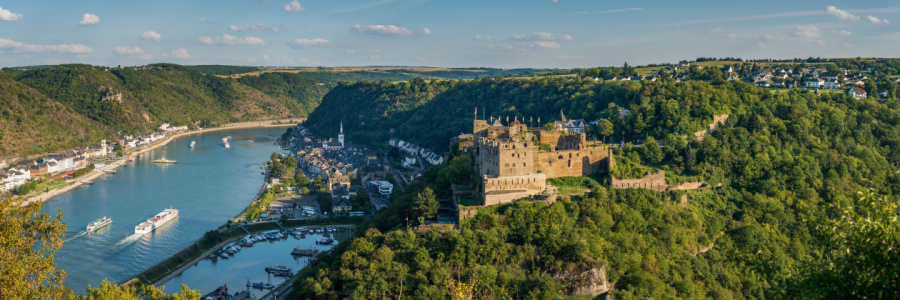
(487,33)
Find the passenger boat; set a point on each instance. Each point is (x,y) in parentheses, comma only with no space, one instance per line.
(97,224)
(193,143)
(156,221)
(225,142)
(163,160)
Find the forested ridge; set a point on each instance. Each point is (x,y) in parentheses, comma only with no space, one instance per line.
(150,95)
(32,123)
(430,112)
(807,206)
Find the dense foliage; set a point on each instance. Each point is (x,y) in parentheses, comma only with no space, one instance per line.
(429,113)
(154,94)
(786,222)
(222,70)
(32,123)
(299,94)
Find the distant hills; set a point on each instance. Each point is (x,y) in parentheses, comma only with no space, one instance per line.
(70,105)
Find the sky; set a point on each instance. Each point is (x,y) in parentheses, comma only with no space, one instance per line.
(439,33)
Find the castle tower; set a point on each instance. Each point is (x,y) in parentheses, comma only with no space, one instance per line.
(341,135)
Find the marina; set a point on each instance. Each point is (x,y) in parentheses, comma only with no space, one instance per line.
(256,269)
(209,187)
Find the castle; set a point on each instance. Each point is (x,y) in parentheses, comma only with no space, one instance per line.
(515,161)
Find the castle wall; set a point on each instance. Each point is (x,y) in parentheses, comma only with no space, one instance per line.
(572,162)
(653,181)
(535,182)
(500,198)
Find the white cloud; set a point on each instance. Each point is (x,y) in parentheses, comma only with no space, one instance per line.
(352,51)
(231,40)
(541,44)
(555,1)
(543,36)
(820,43)
(151,36)
(201,20)
(89,19)
(719,31)
(876,20)
(257,26)
(294,6)
(179,53)
(128,50)
(760,44)
(310,42)
(809,31)
(847,33)
(266,57)
(7,15)
(19,47)
(840,14)
(426,31)
(483,37)
(382,30)
(144,56)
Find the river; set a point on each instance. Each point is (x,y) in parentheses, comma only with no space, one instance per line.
(209,185)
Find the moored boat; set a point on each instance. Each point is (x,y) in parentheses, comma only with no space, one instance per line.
(163,160)
(97,224)
(304,252)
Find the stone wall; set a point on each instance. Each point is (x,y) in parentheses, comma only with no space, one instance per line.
(652,181)
(718,121)
(507,196)
(572,162)
(534,182)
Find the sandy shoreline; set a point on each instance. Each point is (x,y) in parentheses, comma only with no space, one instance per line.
(76,182)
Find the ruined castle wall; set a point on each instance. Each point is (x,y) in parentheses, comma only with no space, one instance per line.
(535,182)
(549,137)
(494,199)
(572,162)
(653,181)
(572,141)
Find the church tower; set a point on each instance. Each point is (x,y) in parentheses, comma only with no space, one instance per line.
(341,135)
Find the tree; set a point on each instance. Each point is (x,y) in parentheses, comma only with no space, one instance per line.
(426,204)
(29,240)
(147,292)
(605,128)
(652,154)
(301,179)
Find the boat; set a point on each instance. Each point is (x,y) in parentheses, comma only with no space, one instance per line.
(156,221)
(97,224)
(225,142)
(260,285)
(304,252)
(287,273)
(277,268)
(324,241)
(221,293)
(163,160)
(193,143)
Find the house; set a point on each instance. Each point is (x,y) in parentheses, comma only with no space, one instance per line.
(13,178)
(340,204)
(857,92)
(409,161)
(763,83)
(38,170)
(384,188)
(830,76)
(569,126)
(815,83)
(654,71)
(831,84)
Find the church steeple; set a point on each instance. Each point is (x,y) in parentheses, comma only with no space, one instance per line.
(341,135)
(342,127)
(561,116)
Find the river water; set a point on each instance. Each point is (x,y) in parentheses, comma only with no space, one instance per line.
(209,185)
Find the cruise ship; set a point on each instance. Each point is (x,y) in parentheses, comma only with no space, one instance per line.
(156,221)
(193,143)
(225,142)
(97,224)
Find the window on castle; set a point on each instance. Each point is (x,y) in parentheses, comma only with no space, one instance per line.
(524,164)
(506,165)
(514,165)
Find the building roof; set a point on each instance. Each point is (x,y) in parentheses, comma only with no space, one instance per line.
(858,90)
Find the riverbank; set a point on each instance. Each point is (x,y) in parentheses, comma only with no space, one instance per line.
(76,182)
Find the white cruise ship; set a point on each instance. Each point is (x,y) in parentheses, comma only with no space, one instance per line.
(156,221)
(225,142)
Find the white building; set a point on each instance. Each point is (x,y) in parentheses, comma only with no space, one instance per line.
(384,188)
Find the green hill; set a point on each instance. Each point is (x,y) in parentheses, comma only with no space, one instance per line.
(32,123)
(806,209)
(298,94)
(158,93)
(430,113)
